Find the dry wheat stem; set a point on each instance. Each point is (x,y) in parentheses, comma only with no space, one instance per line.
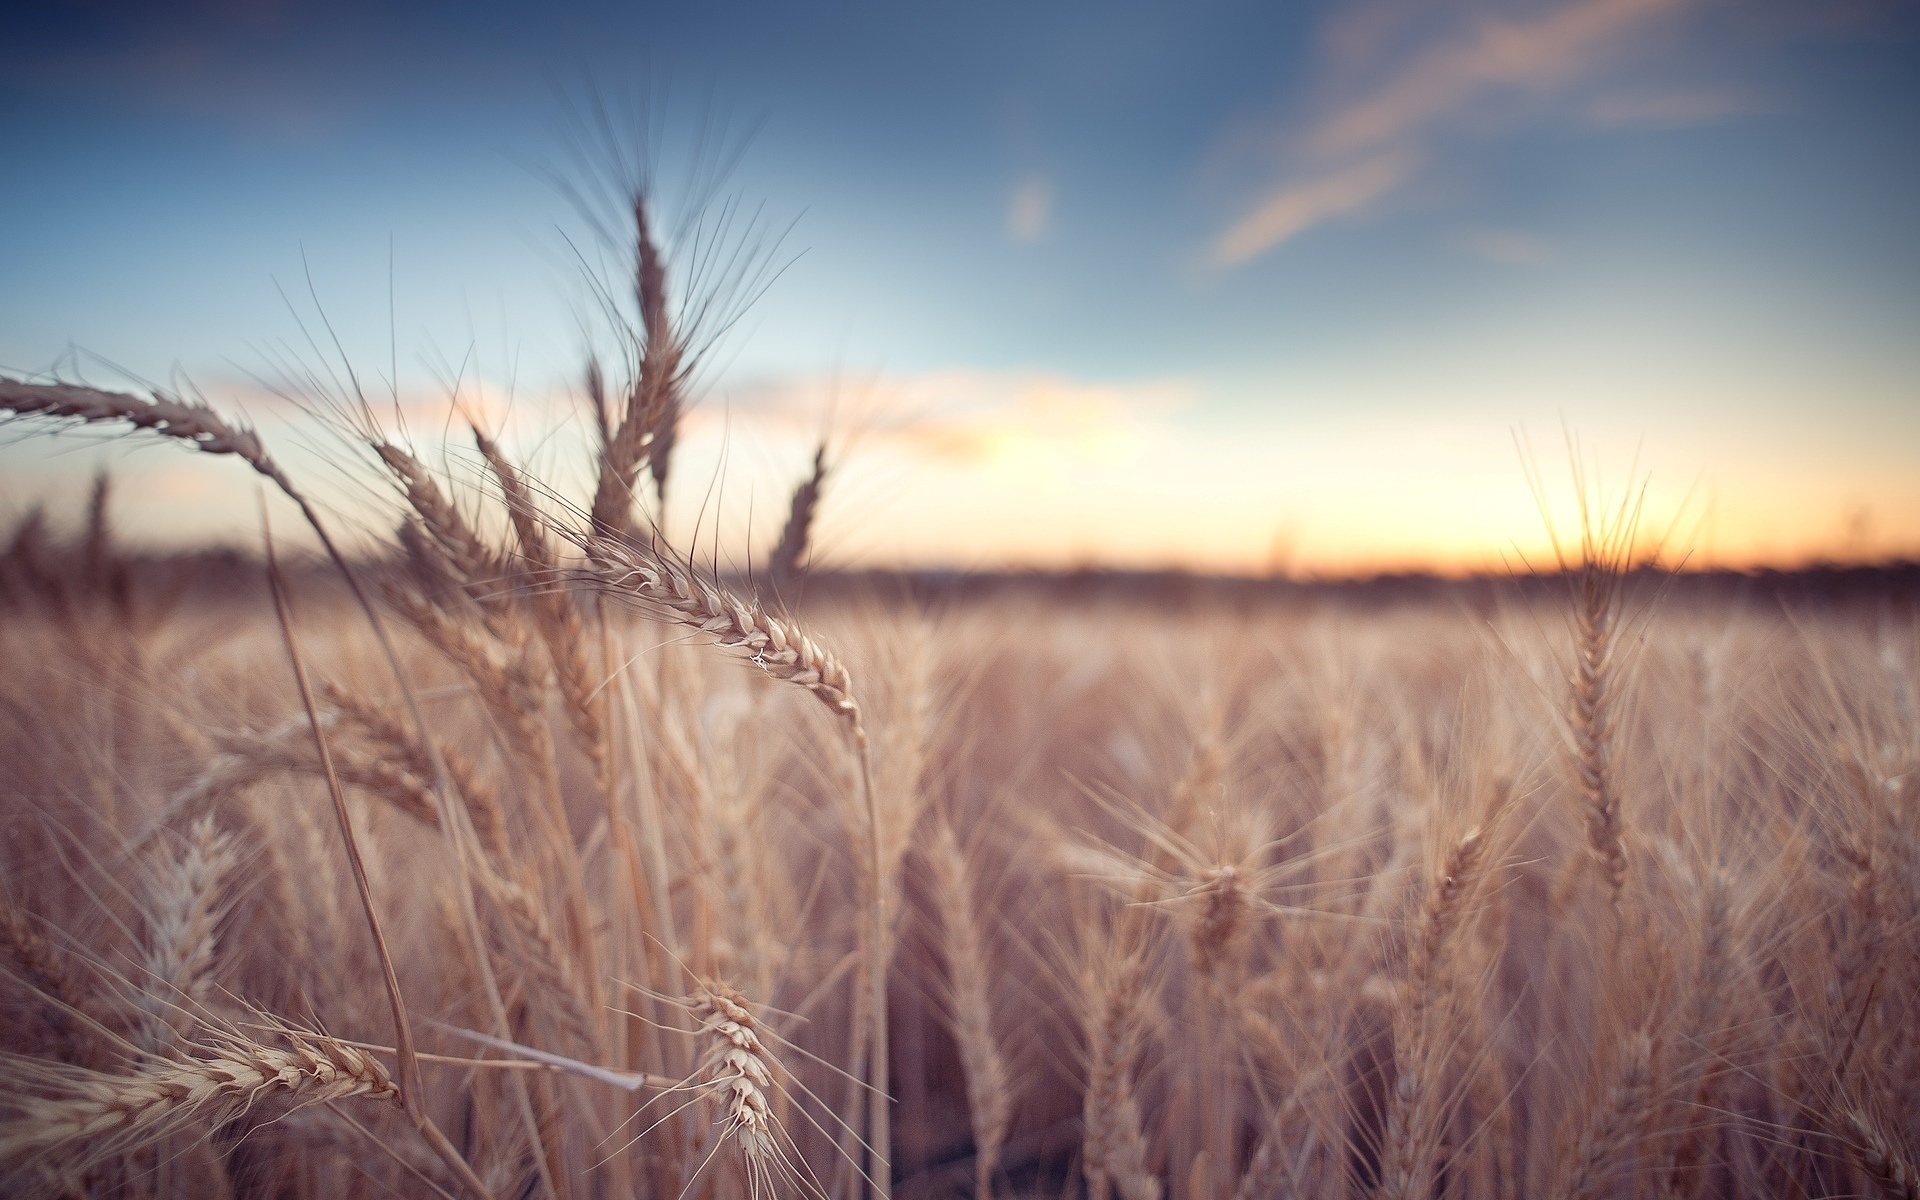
(411,1087)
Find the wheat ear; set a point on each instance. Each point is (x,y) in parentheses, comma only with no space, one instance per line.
(65,1006)
(989,1081)
(1591,719)
(190,900)
(1893,1176)
(1614,1127)
(788,559)
(649,576)
(1416,1109)
(60,1106)
(1114,983)
(737,1072)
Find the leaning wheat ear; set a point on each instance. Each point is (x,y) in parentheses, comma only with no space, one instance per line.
(650,577)
(188,421)
(55,1109)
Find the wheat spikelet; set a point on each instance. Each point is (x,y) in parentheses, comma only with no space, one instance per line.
(1590,717)
(556,612)
(1218,933)
(649,422)
(503,674)
(244,759)
(60,1000)
(472,559)
(411,767)
(544,959)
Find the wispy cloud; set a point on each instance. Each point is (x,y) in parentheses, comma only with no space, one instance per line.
(1547,51)
(1030,209)
(1295,207)
(1677,109)
(1366,142)
(1512,247)
(978,418)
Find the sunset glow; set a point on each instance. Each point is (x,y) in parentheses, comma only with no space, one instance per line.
(1227,291)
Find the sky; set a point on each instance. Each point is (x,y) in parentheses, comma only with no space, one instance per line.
(1306,288)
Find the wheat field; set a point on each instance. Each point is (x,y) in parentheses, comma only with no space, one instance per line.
(525,856)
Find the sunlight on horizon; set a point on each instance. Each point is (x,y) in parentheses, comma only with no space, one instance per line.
(990,488)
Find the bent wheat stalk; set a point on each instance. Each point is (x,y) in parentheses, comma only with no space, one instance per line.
(412,1089)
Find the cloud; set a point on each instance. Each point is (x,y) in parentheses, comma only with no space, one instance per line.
(1294,208)
(1030,209)
(1676,109)
(1513,247)
(1544,52)
(975,418)
(1365,145)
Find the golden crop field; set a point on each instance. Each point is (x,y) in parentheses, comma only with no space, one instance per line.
(528,854)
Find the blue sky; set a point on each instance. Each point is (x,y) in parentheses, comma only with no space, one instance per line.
(1227,285)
